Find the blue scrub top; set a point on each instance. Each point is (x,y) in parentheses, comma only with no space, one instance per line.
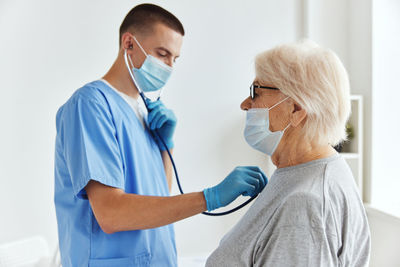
(100,138)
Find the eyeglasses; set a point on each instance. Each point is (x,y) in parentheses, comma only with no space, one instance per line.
(253,87)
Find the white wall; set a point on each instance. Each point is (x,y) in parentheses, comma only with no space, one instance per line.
(50,48)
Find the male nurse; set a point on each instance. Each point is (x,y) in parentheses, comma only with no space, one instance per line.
(112,177)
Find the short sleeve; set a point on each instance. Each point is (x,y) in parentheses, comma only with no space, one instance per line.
(90,145)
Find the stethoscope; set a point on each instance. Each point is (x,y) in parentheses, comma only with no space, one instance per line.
(145,100)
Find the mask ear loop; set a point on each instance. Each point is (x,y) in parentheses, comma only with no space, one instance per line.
(278,103)
(158,62)
(144,52)
(290,124)
(144,98)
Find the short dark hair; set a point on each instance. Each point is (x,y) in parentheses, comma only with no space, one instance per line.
(142,17)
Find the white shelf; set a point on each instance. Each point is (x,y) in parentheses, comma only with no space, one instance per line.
(352,151)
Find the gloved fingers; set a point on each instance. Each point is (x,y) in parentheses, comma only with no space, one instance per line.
(153,115)
(148,101)
(255,181)
(154,104)
(155,107)
(169,114)
(153,119)
(151,105)
(240,174)
(265,178)
(258,170)
(247,189)
(248,175)
(156,119)
(160,121)
(258,176)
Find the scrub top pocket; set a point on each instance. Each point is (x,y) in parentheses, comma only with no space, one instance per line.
(142,259)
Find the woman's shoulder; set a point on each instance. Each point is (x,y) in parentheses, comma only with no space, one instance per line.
(340,188)
(300,209)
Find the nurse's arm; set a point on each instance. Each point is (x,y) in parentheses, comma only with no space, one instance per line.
(117,211)
(167,167)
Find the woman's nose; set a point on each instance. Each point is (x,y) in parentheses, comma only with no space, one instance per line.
(246,104)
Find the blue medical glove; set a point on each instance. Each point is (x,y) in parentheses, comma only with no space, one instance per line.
(246,181)
(163,121)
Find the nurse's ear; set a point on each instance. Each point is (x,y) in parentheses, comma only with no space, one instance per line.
(126,41)
(298,114)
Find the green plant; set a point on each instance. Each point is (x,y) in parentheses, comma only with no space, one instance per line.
(349,131)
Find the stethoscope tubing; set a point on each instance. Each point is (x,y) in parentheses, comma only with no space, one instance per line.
(177,176)
(144,98)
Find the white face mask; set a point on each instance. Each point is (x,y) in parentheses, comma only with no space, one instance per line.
(257,132)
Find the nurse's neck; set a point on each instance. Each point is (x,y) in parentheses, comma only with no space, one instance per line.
(118,76)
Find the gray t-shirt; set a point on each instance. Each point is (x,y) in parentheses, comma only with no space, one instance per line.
(308,215)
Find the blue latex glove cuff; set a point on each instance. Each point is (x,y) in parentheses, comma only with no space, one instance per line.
(169,143)
(212,198)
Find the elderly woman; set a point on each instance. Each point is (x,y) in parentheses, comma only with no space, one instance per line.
(310,213)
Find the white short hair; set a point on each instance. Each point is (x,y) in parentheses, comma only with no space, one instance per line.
(316,79)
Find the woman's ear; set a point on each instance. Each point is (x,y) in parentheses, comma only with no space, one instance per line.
(298,115)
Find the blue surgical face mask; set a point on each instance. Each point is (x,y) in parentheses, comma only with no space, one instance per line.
(257,132)
(152,75)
